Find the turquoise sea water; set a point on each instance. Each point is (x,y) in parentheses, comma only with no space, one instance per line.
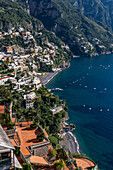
(88,89)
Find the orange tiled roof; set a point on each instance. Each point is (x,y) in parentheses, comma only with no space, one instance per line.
(13,142)
(24,150)
(13,119)
(84,163)
(27,137)
(4,77)
(2,108)
(38,160)
(45,133)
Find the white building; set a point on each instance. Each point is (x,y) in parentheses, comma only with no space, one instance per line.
(37,82)
(29,100)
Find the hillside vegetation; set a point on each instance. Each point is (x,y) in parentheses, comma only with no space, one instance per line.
(72,26)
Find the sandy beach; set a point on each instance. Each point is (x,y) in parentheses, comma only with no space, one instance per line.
(70,142)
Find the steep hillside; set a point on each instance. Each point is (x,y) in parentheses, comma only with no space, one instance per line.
(83,35)
(15,21)
(13,15)
(99,10)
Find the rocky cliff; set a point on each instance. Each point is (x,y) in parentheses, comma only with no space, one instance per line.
(67,18)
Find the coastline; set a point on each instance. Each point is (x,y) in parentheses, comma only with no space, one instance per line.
(70,142)
(48,77)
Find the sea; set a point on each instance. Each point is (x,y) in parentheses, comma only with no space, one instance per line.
(88,90)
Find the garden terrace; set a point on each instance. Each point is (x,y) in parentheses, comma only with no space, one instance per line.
(28,139)
(85,163)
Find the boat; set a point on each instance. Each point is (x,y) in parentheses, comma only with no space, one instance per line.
(105,88)
(76,56)
(57,89)
(94,88)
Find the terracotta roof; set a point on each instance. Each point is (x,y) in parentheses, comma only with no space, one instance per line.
(38,160)
(27,137)
(45,133)
(13,119)
(84,163)
(24,150)
(2,109)
(13,142)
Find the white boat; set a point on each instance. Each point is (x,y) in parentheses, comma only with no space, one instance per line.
(57,89)
(100,110)
(94,88)
(90,108)
(85,86)
(84,105)
(107,110)
(105,88)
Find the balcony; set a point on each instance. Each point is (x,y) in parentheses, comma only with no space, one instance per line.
(5,163)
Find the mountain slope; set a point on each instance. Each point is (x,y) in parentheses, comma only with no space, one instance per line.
(83,35)
(13,15)
(99,10)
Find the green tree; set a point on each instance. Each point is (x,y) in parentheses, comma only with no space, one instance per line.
(4,93)
(53,140)
(59,164)
(53,152)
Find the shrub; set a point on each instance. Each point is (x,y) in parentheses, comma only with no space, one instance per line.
(53,152)
(40,137)
(17,150)
(34,125)
(59,164)
(11,125)
(53,140)
(66,108)
(62,154)
(26,166)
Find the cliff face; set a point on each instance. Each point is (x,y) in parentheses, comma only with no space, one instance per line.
(13,14)
(45,11)
(67,19)
(99,10)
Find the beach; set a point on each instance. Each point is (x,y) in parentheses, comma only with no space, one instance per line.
(48,76)
(70,142)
